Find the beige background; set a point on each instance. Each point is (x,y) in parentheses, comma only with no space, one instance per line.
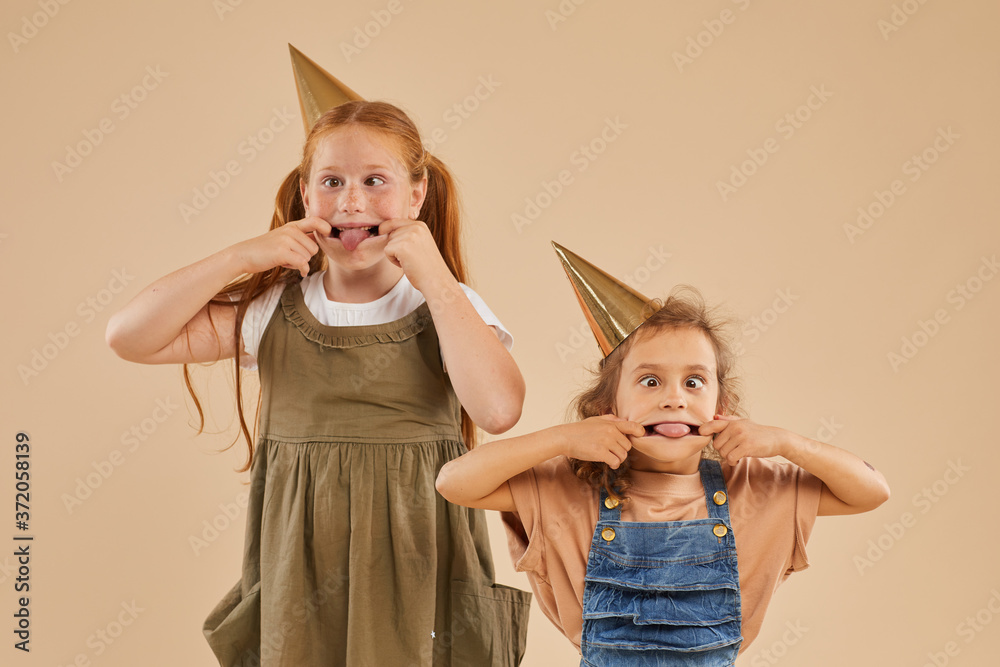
(891,587)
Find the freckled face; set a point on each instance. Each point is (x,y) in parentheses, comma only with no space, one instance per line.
(356,182)
(669,385)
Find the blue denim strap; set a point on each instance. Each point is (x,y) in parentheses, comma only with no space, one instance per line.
(714,483)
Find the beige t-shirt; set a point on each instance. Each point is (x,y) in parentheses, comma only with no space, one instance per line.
(772,508)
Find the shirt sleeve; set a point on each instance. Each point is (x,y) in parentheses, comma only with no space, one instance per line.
(523,525)
(255,321)
(488,316)
(808,488)
(773,510)
(549,532)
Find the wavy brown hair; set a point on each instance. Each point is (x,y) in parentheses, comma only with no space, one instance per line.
(684,308)
(441,211)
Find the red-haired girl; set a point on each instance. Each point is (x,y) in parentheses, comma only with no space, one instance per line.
(368,347)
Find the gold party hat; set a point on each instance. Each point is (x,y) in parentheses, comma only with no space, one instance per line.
(613,310)
(319,91)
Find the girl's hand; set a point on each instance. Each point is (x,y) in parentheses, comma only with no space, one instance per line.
(737,438)
(849,484)
(290,246)
(603,439)
(412,248)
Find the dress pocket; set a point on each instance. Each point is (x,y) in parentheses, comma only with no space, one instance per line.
(233,628)
(489,625)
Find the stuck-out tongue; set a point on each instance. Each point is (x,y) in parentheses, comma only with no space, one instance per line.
(672,430)
(352,237)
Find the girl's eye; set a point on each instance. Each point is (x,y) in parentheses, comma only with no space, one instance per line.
(374,180)
(649,381)
(331,182)
(694,382)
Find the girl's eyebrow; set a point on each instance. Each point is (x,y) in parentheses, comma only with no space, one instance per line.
(367,167)
(692,367)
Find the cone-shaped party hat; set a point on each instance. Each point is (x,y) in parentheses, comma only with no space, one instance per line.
(319,91)
(613,310)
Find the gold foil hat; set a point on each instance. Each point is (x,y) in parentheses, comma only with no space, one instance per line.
(319,91)
(613,310)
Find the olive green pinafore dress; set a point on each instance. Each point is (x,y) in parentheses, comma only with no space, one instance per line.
(351,556)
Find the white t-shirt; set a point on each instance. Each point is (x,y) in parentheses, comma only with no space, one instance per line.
(399,302)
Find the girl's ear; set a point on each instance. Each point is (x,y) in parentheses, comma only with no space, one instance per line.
(417,195)
(305,197)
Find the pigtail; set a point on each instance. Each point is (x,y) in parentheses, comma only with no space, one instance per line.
(288,207)
(442,213)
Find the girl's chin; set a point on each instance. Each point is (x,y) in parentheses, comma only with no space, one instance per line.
(370,251)
(668,454)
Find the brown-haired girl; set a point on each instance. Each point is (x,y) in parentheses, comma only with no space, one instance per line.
(369,347)
(628,523)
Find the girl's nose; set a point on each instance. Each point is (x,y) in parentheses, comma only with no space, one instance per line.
(672,397)
(352,201)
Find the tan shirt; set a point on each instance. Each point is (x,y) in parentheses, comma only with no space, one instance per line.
(772,508)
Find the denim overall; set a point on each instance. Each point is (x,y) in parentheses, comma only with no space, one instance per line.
(665,592)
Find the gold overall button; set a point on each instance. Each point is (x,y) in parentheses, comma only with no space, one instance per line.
(719,497)
(610,502)
(720,530)
(608,534)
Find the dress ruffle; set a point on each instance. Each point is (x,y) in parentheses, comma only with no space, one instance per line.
(293,306)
